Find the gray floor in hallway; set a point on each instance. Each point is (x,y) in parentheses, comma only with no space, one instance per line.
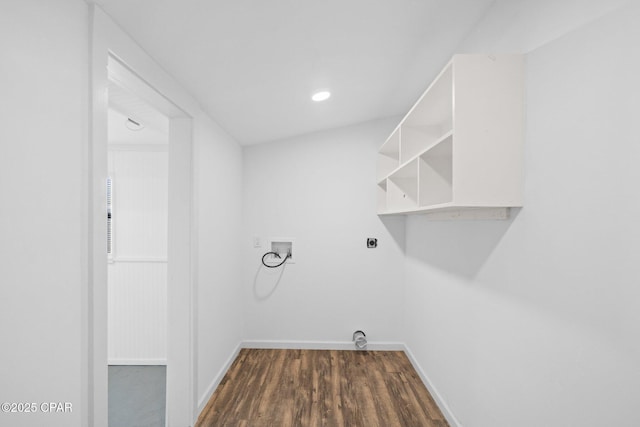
(137,396)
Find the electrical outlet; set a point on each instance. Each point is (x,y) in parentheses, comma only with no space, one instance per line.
(256,242)
(372,242)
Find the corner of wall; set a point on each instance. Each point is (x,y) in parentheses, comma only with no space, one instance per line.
(437,397)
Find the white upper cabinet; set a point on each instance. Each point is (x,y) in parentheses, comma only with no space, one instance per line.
(458,153)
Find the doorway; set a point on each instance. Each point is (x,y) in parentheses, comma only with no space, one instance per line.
(116,59)
(137,225)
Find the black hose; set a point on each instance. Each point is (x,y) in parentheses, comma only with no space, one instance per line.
(277,255)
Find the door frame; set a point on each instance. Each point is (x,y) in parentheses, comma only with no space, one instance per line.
(114,55)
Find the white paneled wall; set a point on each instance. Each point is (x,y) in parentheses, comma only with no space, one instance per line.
(139,204)
(137,306)
(137,313)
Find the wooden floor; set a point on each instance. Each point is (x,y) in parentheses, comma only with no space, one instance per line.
(299,388)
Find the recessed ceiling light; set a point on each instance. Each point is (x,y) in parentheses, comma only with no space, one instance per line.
(322,95)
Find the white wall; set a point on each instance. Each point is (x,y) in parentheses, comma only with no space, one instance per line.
(318,189)
(43,216)
(218,186)
(43,134)
(137,270)
(535,321)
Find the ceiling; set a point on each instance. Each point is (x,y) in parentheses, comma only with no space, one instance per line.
(125,105)
(253,64)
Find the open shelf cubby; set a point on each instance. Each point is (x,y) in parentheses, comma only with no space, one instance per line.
(402,187)
(430,118)
(460,147)
(389,155)
(435,174)
(382,195)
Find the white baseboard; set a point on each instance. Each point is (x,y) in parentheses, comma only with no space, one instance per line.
(446,411)
(204,399)
(322,345)
(137,362)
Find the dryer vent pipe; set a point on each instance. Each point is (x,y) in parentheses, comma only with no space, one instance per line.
(360,339)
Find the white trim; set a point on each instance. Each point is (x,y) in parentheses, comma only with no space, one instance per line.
(322,345)
(110,41)
(119,146)
(150,82)
(96,414)
(145,362)
(204,399)
(120,74)
(138,259)
(444,408)
(181,341)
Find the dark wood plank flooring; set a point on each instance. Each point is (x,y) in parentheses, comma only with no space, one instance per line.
(300,388)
